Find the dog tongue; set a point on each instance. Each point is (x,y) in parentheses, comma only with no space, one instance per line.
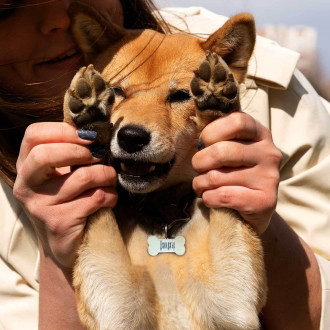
(137,168)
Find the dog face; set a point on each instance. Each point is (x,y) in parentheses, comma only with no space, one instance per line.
(154,136)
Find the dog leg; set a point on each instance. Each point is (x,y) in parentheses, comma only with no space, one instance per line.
(235,291)
(111,293)
(223,283)
(238,292)
(215,90)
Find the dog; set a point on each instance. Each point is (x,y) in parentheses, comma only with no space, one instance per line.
(161,259)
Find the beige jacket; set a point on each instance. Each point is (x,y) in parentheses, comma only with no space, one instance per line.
(276,95)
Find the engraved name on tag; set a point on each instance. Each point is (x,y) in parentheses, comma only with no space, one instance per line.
(166,245)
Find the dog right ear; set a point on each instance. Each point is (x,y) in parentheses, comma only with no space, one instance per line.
(92,32)
(234,42)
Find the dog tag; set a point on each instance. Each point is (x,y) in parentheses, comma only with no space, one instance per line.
(166,245)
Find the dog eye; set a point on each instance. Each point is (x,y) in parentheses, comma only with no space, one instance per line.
(119,92)
(180,95)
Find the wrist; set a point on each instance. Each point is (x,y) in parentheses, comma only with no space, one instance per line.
(49,264)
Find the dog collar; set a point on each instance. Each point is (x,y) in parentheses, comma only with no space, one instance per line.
(161,213)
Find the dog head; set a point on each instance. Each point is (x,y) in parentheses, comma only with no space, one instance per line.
(154,137)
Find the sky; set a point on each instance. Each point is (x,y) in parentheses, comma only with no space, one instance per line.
(315,13)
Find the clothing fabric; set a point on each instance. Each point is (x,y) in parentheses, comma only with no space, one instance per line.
(274,93)
(18,266)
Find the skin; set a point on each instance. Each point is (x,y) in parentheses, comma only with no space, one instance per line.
(237,151)
(42,28)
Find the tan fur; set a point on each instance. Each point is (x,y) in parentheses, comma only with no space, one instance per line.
(219,283)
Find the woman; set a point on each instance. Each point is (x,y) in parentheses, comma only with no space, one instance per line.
(34,74)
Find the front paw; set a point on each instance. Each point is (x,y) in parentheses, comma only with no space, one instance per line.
(88,101)
(214,88)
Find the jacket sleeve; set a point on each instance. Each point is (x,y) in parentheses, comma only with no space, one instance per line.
(19,295)
(300,128)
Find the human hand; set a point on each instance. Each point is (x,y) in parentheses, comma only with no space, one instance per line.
(239,168)
(59,199)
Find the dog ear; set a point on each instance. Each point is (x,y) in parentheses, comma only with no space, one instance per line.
(92,32)
(234,42)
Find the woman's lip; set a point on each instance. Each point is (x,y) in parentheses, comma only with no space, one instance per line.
(71,49)
(72,62)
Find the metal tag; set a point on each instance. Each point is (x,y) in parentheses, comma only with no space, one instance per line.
(166,245)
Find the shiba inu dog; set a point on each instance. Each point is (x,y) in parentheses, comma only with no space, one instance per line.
(161,259)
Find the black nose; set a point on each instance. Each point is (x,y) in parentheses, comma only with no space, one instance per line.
(133,138)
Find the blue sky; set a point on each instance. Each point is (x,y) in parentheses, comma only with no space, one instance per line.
(315,13)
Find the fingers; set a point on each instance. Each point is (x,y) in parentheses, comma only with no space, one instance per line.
(43,133)
(58,199)
(226,154)
(63,189)
(235,197)
(42,161)
(69,186)
(255,206)
(218,187)
(225,177)
(61,227)
(71,214)
(238,168)
(89,202)
(236,126)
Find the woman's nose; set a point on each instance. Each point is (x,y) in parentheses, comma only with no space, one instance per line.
(54,16)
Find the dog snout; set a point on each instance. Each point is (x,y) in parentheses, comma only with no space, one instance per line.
(132,138)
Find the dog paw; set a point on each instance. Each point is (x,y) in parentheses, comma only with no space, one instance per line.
(214,87)
(88,101)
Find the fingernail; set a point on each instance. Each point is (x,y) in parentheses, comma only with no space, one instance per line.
(86,134)
(200,145)
(97,151)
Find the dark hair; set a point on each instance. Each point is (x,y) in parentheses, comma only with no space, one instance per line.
(17,113)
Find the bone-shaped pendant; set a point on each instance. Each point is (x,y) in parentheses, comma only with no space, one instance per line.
(165,245)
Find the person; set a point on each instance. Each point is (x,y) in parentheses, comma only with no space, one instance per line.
(40,234)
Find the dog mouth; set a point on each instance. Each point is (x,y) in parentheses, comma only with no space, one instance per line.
(139,176)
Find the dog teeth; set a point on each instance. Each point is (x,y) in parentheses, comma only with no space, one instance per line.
(123,167)
(138,169)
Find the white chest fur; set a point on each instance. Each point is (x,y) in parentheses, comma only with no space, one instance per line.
(218,282)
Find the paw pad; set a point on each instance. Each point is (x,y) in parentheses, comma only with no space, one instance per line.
(88,98)
(83,89)
(214,86)
(75,105)
(220,73)
(99,84)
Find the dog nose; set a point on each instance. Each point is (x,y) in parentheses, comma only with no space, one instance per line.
(133,138)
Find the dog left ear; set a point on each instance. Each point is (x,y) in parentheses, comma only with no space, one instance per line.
(92,32)
(234,42)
